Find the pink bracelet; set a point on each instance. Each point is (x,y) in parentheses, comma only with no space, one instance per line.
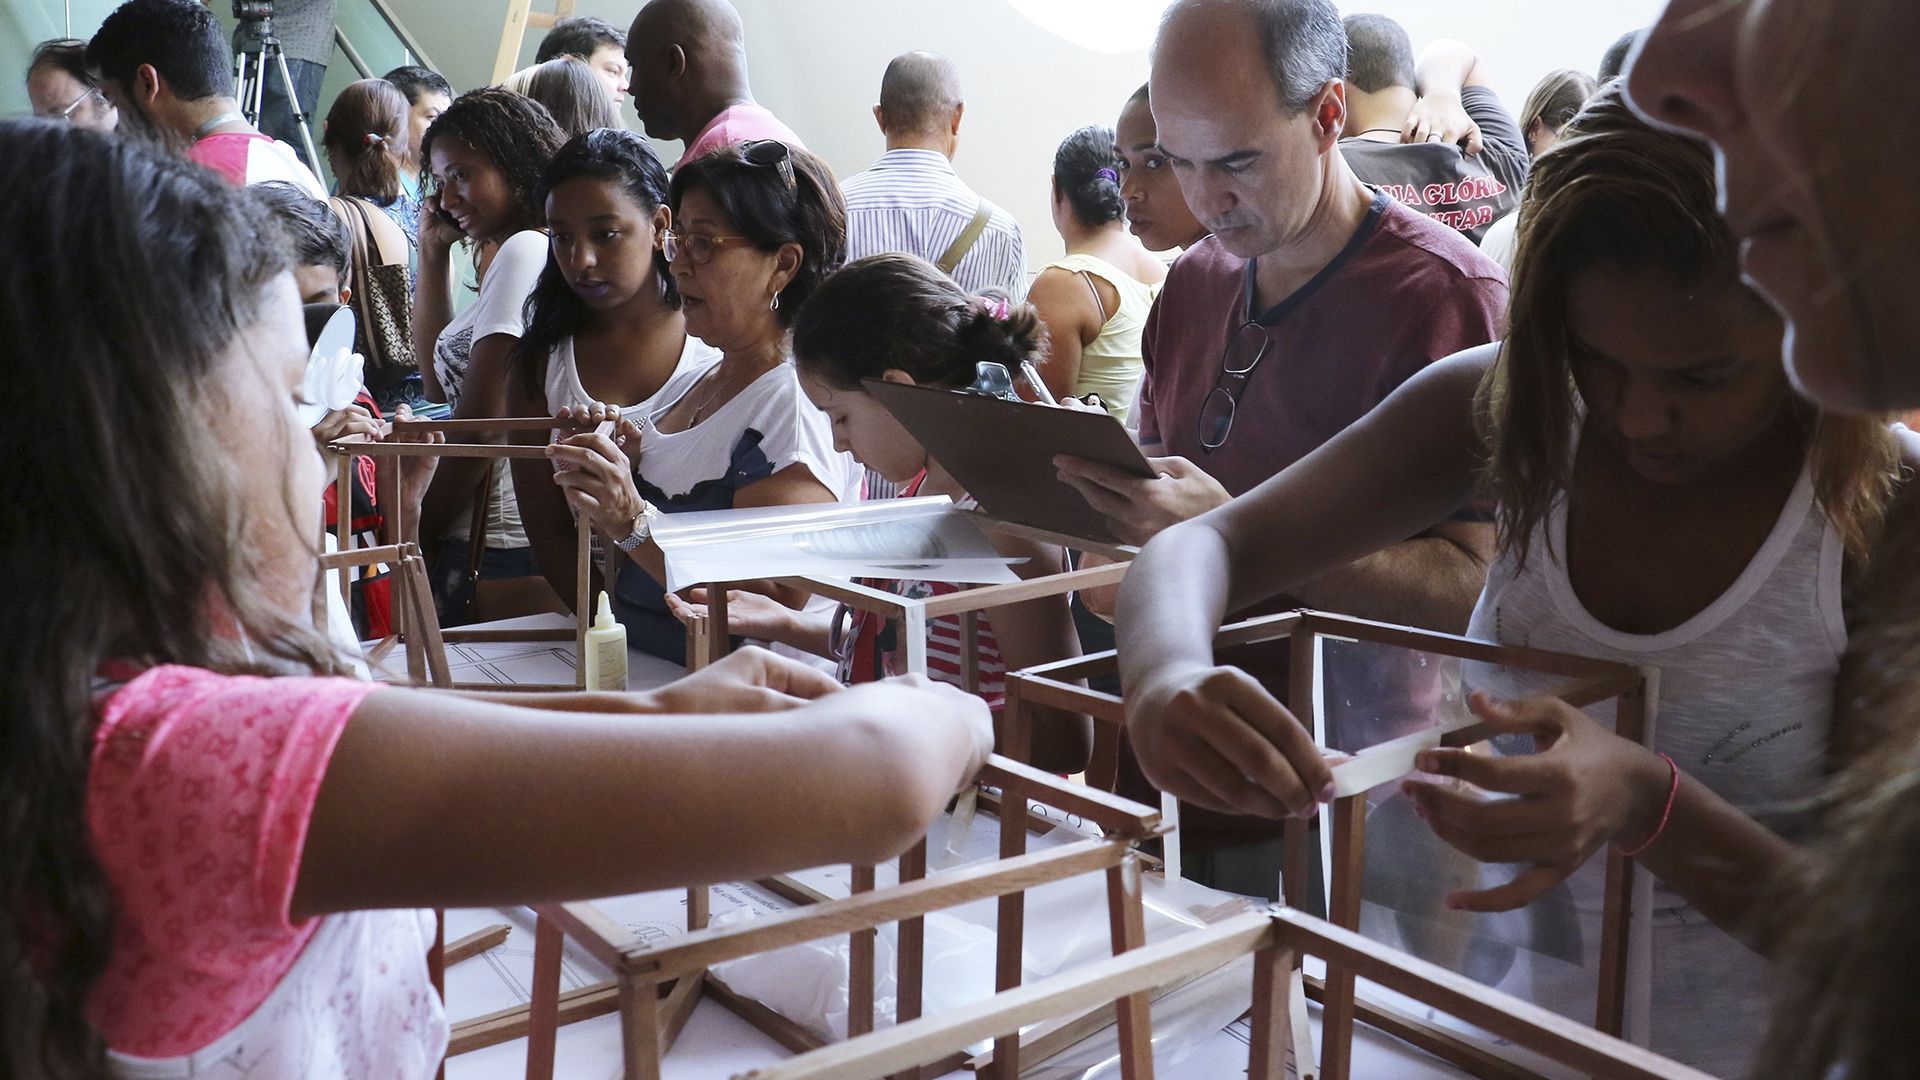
(1672,791)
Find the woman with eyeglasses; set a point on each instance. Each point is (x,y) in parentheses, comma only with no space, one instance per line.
(61,86)
(604,322)
(898,318)
(755,227)
(1663,500)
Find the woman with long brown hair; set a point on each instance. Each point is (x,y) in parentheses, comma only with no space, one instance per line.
(574,95)
(1801,180)
(1662,498)
(365,138)
(213,849)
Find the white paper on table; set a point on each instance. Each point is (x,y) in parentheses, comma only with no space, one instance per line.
(925,539)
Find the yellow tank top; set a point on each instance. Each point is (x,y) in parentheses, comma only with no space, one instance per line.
(1110,364)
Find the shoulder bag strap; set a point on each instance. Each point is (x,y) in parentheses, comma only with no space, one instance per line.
(968,237)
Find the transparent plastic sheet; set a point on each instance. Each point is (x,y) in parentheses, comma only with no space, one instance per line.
(1548,952)
(1183,1023)
(1066,927)
(922,538)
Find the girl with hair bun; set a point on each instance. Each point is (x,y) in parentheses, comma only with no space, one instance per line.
(899,318)
(1094,302)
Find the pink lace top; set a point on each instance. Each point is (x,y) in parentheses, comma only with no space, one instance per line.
(201,789)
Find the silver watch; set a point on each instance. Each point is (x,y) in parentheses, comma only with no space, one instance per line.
(642,527)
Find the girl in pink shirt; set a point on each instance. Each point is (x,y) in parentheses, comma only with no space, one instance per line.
(213,847)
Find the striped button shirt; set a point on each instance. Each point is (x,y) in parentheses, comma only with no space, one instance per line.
(911,200)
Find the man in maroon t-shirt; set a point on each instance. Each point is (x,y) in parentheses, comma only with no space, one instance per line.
(1313,299)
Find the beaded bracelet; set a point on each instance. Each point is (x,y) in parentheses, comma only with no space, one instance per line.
(1672,790)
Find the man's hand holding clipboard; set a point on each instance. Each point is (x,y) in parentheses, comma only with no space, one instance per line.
(1136,508)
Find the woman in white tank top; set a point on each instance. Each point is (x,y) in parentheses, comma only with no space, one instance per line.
(1663,500)
(604,322)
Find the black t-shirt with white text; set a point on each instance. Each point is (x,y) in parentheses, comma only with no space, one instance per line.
(1465,191)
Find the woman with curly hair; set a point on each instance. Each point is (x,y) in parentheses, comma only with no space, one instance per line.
(481,163)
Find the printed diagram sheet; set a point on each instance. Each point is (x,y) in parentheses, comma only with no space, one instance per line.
(925,539)
(525,663)
(508,663)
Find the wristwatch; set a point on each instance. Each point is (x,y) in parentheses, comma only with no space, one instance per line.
(642,527)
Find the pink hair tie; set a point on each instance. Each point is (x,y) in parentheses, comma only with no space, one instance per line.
(373,138)
(996,309)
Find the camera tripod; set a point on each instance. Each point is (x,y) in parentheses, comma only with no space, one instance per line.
(256,52)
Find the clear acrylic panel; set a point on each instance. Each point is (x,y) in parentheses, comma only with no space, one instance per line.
(1548,952)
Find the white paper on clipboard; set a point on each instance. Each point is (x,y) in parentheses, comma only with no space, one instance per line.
(924,539)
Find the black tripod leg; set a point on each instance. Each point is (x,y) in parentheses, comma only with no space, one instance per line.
(293,102)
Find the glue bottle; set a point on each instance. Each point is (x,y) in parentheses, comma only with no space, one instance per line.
(606,650)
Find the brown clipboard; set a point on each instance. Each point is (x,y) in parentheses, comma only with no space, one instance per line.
(1002,452)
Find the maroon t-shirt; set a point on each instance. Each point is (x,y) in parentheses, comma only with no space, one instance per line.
(1404,292)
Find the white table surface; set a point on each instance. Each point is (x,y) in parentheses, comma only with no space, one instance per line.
(715,1042)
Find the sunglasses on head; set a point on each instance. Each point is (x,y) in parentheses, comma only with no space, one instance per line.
(770,154)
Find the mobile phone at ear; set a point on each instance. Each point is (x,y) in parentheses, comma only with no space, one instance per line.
(447,219)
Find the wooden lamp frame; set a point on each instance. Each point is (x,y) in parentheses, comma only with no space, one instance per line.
(656,987)
(707,641)
(1591,682)
(343,451)
(1277,940)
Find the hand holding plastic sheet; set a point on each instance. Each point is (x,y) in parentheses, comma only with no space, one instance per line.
(925,539)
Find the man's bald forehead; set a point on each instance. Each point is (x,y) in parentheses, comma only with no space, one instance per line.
(920,90)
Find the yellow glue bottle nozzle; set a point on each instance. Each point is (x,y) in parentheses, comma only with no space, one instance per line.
(606,650)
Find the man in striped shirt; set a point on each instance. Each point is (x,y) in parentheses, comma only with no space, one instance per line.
(912,201)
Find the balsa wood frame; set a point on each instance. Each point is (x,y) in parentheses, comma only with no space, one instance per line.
(1277,940)
(1590,682)
(343,451)
(706,642)
(655,986)
(520,15)
(411,615)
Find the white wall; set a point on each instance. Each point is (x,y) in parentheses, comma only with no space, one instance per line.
(817,63)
